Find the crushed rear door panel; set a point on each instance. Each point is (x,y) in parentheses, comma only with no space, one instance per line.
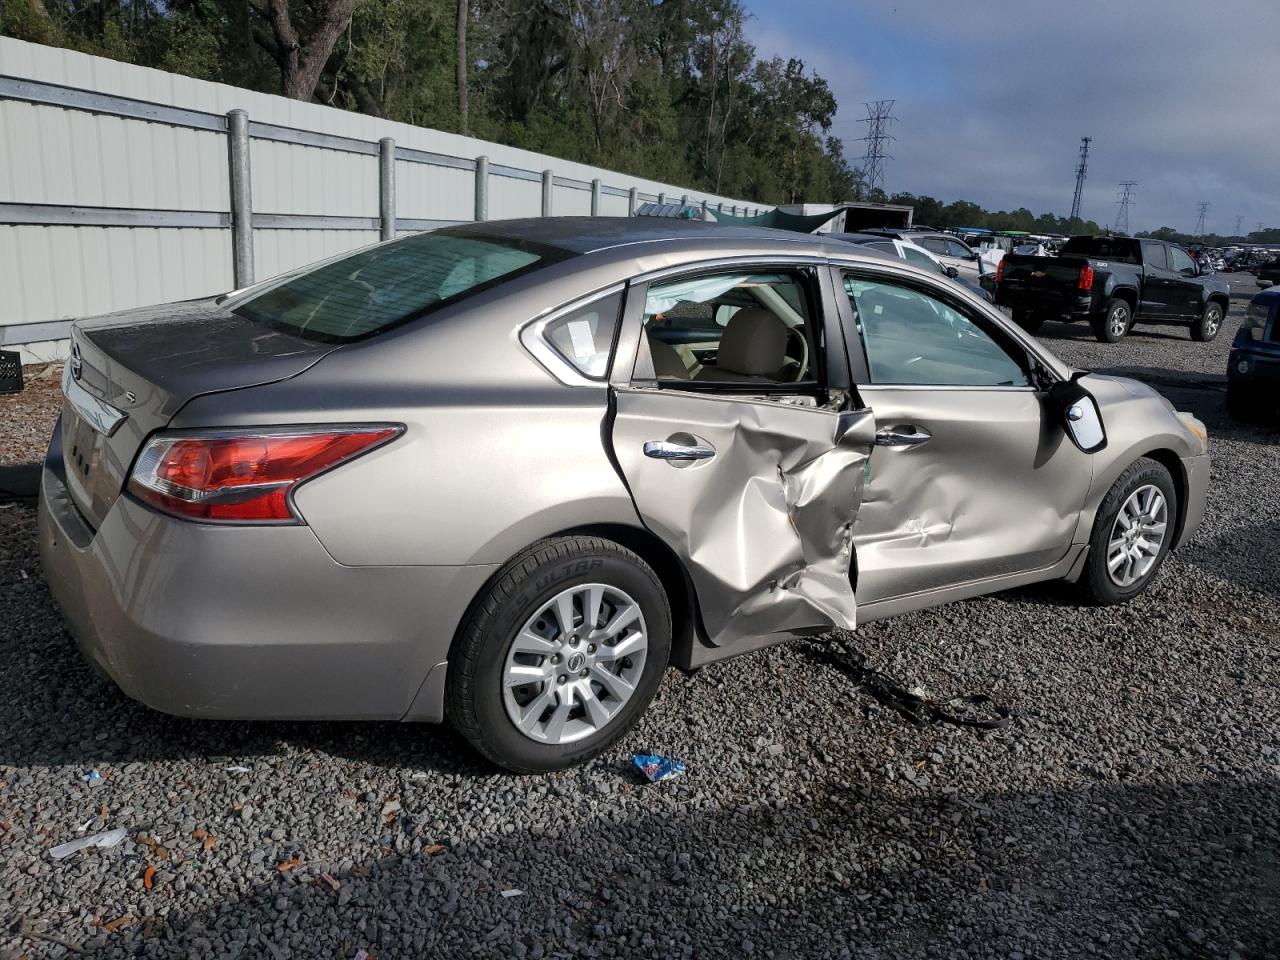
(764,526)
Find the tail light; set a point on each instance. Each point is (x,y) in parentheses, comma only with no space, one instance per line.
(1086,278)
(1000,270)
(243,477)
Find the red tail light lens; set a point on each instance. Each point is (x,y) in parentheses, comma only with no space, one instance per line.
(245,478)
(1000,270)
(1086,278)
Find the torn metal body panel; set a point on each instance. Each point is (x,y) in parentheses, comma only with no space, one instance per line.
(989,487)
(763,521)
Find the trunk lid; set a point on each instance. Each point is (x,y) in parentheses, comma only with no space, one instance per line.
(130,372)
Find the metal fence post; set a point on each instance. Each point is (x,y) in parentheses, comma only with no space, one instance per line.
(482,188)
(548,187)
(662,198)
(387,187)
(706,207)
(595,198)
(633,201)
(684,201)
(241,198)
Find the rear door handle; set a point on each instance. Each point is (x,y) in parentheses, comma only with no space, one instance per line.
(902,436)
(666,450)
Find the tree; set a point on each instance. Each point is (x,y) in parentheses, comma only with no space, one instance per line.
(301,41)
(464,124)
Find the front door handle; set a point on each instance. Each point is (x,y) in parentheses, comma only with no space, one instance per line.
(906,436)
(666,450)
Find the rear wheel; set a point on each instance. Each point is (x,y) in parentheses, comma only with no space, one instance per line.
(1113,323)
(1132,534)
(1027,320)
(560,655)
(1210,322)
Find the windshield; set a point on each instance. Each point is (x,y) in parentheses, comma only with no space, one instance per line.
(1119,249)
(381,287)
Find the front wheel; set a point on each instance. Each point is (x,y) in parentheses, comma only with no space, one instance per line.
(1132,534)
(1210,322)
(1114,322)
(560,655)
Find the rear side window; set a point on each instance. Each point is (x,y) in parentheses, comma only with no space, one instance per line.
(584,338)
(372,290)
(1153,255)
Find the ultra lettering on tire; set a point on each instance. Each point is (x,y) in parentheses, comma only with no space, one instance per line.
(560,655)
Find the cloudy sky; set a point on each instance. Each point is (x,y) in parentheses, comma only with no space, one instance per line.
(993,97)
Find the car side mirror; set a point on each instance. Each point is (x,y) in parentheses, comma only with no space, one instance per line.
(952,272)
(1081,417)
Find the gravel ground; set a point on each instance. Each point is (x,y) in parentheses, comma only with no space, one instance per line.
(1130,810)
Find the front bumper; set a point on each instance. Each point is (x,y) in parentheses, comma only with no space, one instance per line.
(245,622)
(1261,371)
(1197,473)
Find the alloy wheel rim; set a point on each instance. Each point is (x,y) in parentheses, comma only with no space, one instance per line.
(1211,322)
(1137,536)
(575,664)
(1119,322)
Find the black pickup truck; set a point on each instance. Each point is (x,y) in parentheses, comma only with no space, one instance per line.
(1113,282)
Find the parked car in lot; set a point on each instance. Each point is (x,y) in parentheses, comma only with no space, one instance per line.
(1253,369)
(906,250)
(951,251)
(508,472)
(1269,273)
(1113,283)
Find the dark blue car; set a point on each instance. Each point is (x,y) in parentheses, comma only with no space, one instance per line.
(1253,372)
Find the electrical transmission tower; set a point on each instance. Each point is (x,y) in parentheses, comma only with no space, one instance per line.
(1204,208)
(879,118)
(1239,224)
(1082,169)
(1123,202)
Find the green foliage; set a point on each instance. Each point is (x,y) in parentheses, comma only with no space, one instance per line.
(1268,236)
(963,213)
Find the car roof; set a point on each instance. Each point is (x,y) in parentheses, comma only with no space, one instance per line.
(592,234)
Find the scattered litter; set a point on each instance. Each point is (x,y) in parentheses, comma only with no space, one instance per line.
(362,955)
(84,826)
(238,770)
(513,892)
(92,777)
(149,877)
(111,926)
(207,840)
(390,809)
(108,838)
(328,880)
(656,768)
(435,849)
(293,863)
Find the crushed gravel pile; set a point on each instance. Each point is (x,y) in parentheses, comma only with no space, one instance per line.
(1129,810)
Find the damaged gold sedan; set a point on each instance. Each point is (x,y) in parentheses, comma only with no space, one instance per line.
(508,472)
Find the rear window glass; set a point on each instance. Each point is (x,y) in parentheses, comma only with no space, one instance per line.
(1117,249)
(380,287)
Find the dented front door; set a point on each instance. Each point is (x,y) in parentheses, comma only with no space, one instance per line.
(758,499)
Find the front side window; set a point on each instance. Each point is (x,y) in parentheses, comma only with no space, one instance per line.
(915,339)
(957,249)
(932,244)
(375,289)
(922,259)
(740,326)
(1182,261)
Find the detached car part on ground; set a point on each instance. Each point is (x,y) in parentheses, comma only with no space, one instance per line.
(508,472)
(1253,369)
(1113,283)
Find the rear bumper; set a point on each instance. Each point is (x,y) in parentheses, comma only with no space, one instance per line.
(1197,471)
(1055,307)
(244,622)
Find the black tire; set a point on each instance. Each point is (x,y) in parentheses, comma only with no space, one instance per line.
(1209,324)
(474,695)
(1095,581)
(1112,324)
(1028,321)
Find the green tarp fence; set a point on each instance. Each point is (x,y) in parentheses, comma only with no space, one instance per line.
(779,220)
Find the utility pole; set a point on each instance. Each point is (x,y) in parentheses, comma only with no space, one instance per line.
(1123,202)
(1239,224)
(1204,208)
(1082,169)
(879,118)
